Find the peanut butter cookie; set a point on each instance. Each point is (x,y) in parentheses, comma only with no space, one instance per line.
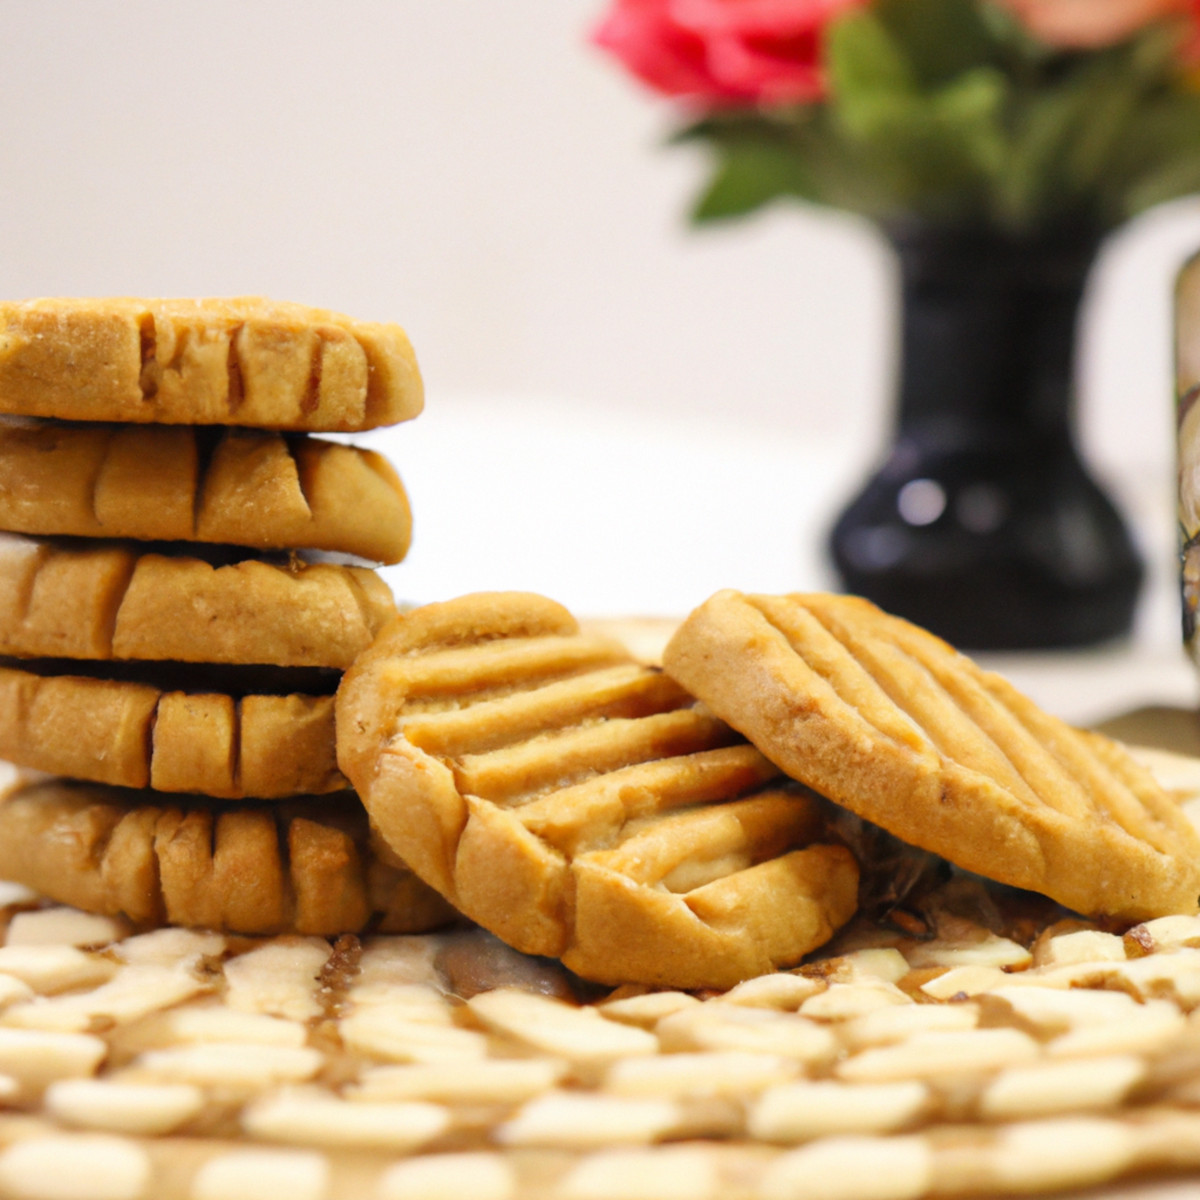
(241,361)
(102,600)
(304,866)
(580,805)
(892,723)
(182,483)
(136,735)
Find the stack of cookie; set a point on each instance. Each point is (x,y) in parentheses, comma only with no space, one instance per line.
(171,644)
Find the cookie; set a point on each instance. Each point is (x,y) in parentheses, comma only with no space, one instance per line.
(182,483)
(136,735)
(303,866)
(892,723)
(102,600)
(241,361)
(580,805)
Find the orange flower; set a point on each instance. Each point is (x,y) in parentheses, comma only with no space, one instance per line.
(1090,24)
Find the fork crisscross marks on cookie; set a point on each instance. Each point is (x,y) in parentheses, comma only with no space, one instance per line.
(977,720)
(892,723)
(582,806)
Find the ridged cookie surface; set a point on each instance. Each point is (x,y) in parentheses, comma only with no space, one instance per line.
(136,735)
(304,866)
(892,723)
(240,361)
(107,600)
(580,805)
(182,483)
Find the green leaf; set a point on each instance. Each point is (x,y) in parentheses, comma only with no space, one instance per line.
(971,109)
(864,60)
(749,175)
(731,123)
(1113,101)
(1165,128)
(1169,182)
(933,152)
(1019,52)
(1160,155)
(940,38)
(1072,130)
(1154,54)
(1032,180)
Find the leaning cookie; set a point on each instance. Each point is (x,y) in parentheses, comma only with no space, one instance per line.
(304,866)
(238,361)
(895,725)
(580,805)
(179,483)
(114,600)
(137,735)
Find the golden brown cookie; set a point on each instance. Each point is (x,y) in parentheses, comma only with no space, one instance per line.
(136,735)
(305,866)
(239,361)
(580,805)
(181,483)
(895,725)
(102,600)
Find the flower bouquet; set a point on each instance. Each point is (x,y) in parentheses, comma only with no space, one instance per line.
(995,143)
(1012,114)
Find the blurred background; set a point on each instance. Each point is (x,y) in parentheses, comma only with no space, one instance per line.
(622,412)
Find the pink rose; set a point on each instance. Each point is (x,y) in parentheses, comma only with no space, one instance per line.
(1089,24)
(724,51)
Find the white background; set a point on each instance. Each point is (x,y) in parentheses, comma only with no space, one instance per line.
(622,411)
